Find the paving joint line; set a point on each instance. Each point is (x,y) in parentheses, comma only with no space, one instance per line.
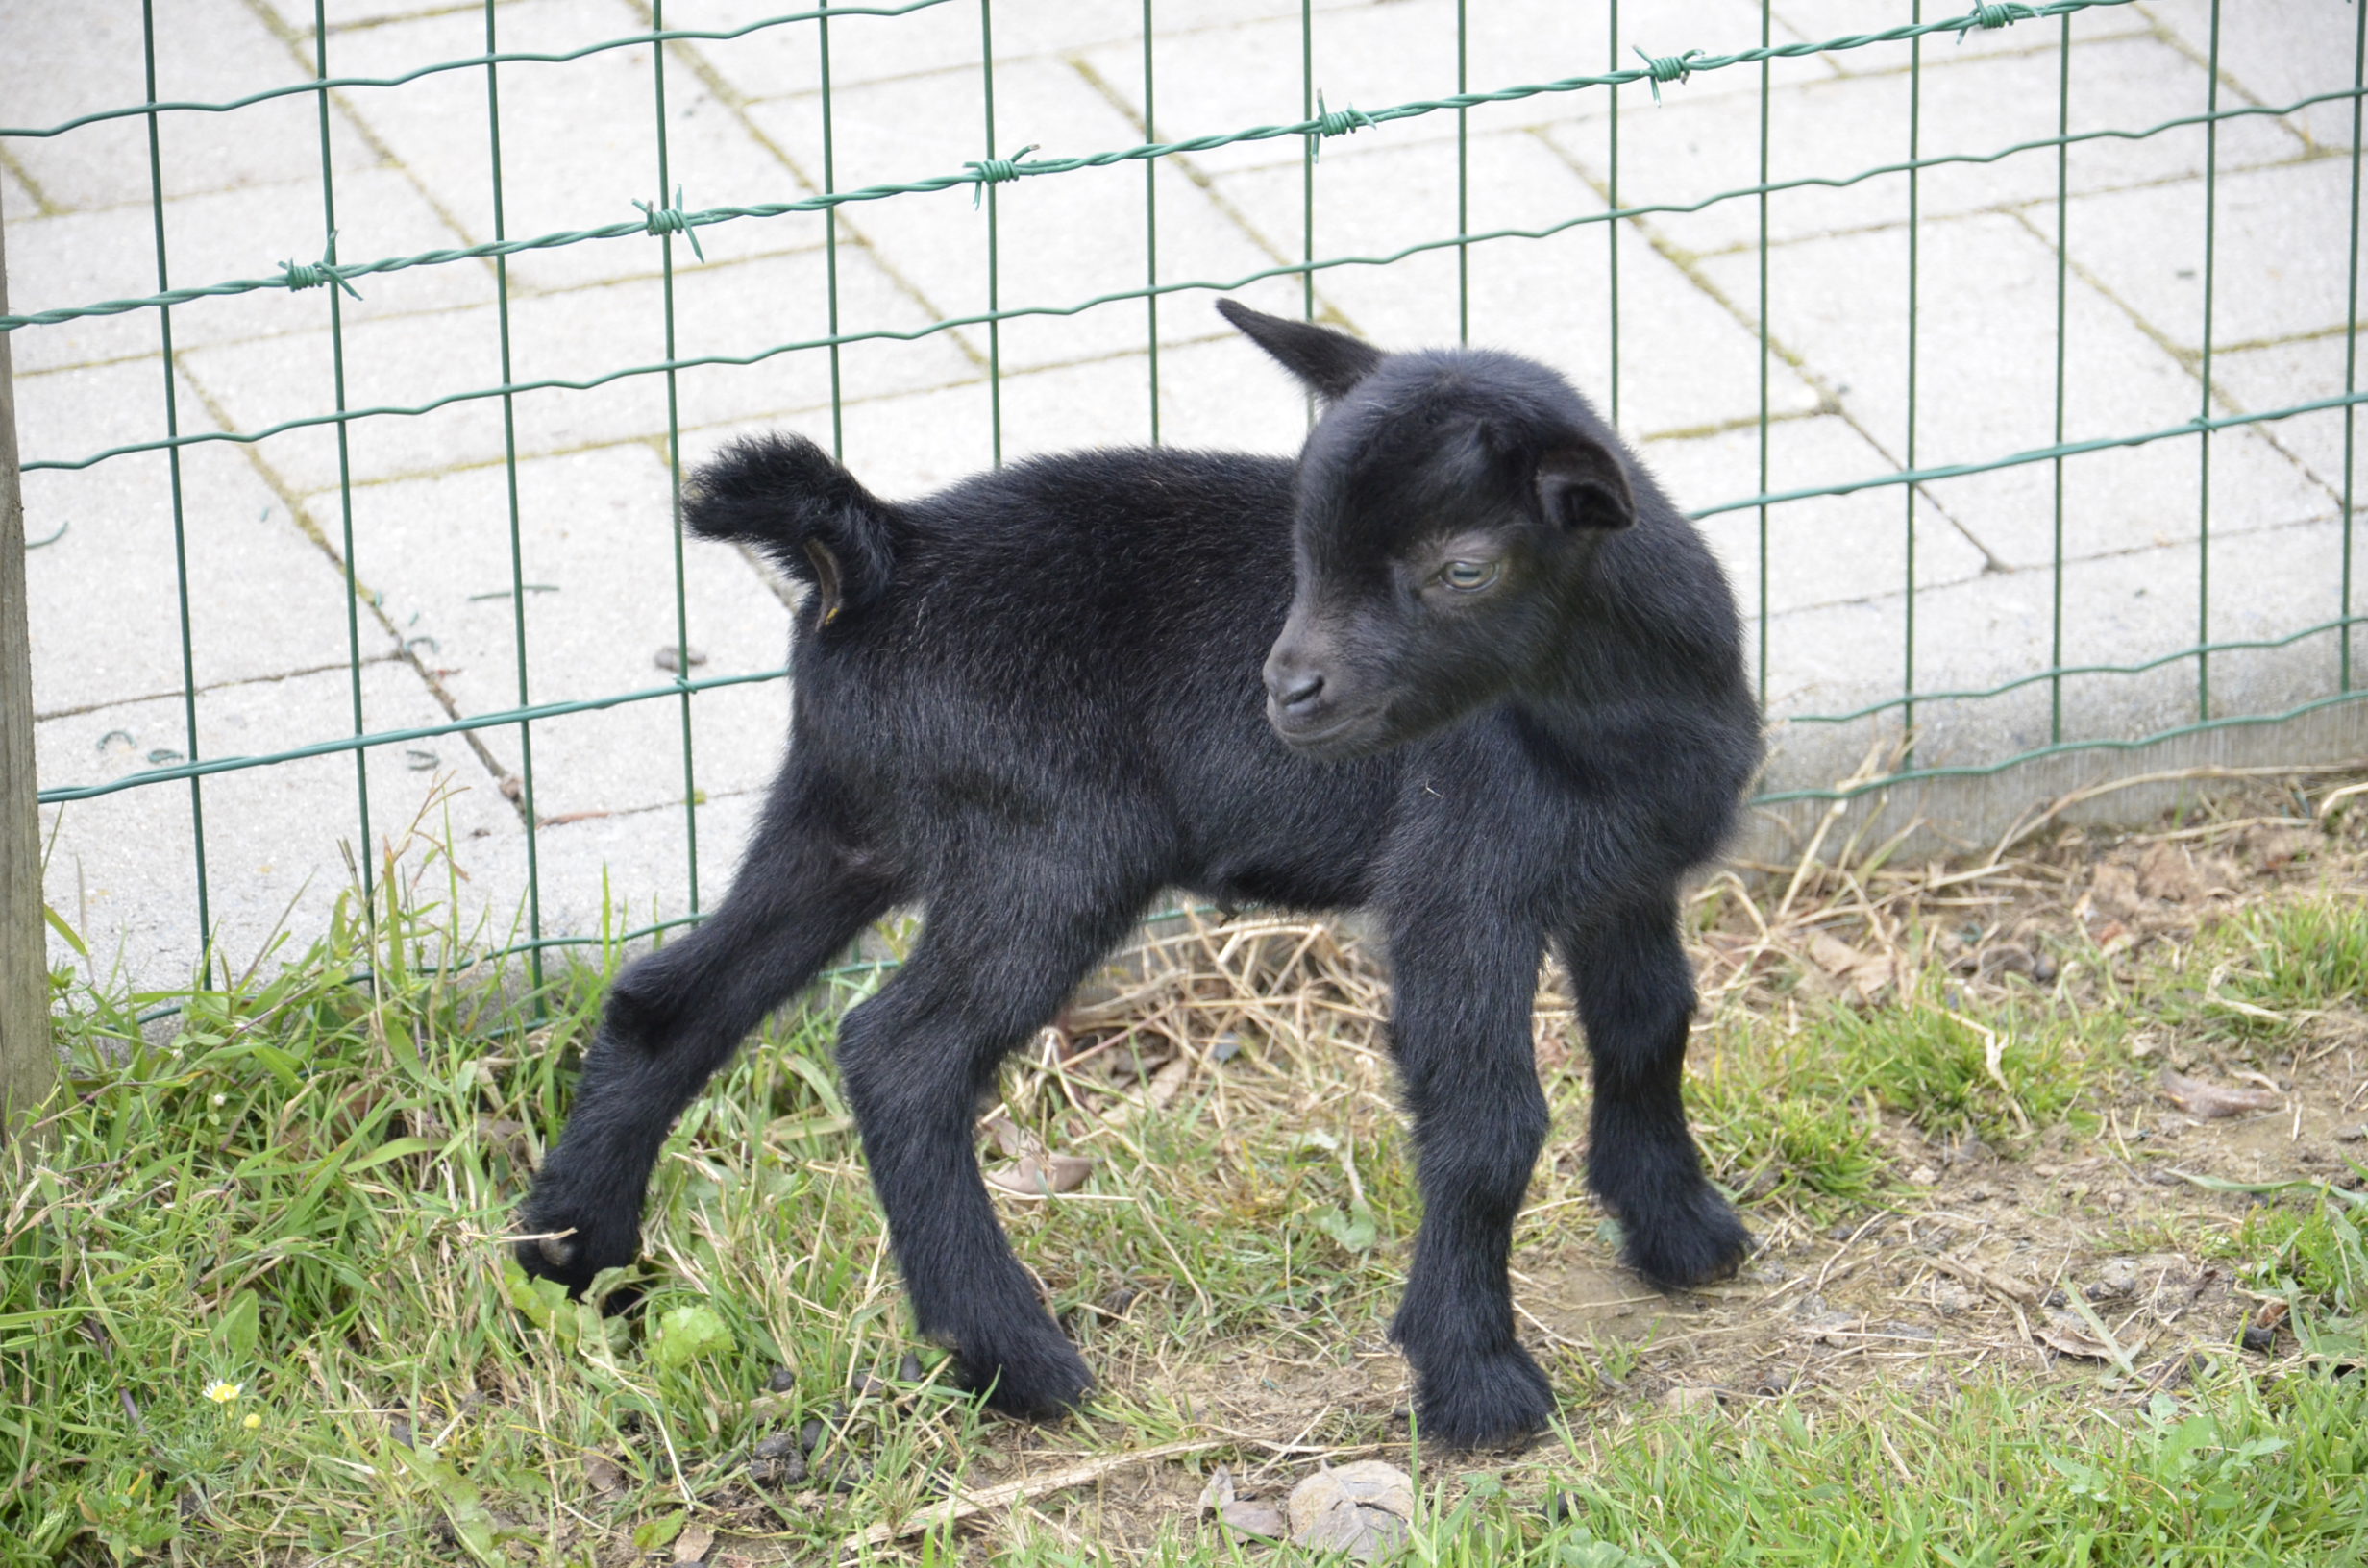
(1686,265)
(737,104)
(1207,184)
(373,601)
(2188,360)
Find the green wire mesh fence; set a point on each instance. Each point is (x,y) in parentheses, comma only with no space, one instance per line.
(2006,355)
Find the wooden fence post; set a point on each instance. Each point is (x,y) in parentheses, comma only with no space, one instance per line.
(28,1066)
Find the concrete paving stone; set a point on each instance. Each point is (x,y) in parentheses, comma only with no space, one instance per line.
(85,257)
(2282,238)
(1841,303)
(1059,238)
(353,16)
(1688,151)
(2267,587)
(1374,57)
(597,542)
(1219,394)
(1686,361)
(578,139)
(1823,552)
(2302,371)
(2275,52)
(2120,610)
(618,872)
(65,415)
(106,618)
(63,64)
(787,60)
(121,866)
(573,335)
(1824,19)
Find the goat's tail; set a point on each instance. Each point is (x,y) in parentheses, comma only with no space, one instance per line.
(792,500)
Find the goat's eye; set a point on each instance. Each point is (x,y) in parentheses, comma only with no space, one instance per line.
(1468,576)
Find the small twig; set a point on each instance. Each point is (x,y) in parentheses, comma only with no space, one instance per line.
(2176,775)
(963,1505)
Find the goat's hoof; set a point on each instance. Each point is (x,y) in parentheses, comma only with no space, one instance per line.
(1039,1382)
(1498,1401)
(573,1260)
(1688,1244)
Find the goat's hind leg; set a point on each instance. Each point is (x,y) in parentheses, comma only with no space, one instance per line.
(994,963)
(672,1019)
(1636,999)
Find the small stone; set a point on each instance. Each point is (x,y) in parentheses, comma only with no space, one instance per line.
(909,1370)
(1361,1509)
(675,660)
(1690,1401)
(1923,1176)
(2353,1135)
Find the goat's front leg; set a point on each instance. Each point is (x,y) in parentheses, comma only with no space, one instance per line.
(1461,986)
(672,1019)
(1636,999)
(994,964)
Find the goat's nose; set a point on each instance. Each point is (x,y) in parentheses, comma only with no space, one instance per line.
(1296,689)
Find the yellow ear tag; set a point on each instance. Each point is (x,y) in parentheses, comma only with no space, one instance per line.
(825,580)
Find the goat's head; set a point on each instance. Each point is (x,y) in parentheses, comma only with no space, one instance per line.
(1449,502)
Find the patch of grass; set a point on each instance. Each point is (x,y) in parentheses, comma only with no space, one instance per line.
(2001,1073)
(2310,1250)
(1774,1134)
(2237,1474)
(2310,954)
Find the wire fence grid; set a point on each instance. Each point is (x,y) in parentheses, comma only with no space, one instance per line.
(887,353)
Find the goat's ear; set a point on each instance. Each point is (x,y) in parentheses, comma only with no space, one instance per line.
(1582,485)
(1328,362)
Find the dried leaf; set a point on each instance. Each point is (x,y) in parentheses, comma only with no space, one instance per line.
(1362,1508)
(2072,1341)
(1833,955)
(603,1473)
(2113,891)
(691,1546)
(2208,1101)
(1256,1519)
(1864,974)
(2165,871)
(1014,1143)
(1031,1177)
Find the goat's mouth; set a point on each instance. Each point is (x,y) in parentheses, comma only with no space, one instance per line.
(1335,738)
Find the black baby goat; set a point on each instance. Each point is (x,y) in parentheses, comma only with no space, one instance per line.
(1460,664)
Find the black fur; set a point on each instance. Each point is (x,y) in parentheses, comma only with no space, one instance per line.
(1505,707)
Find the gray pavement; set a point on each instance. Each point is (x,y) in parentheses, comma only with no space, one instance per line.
(427,508)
